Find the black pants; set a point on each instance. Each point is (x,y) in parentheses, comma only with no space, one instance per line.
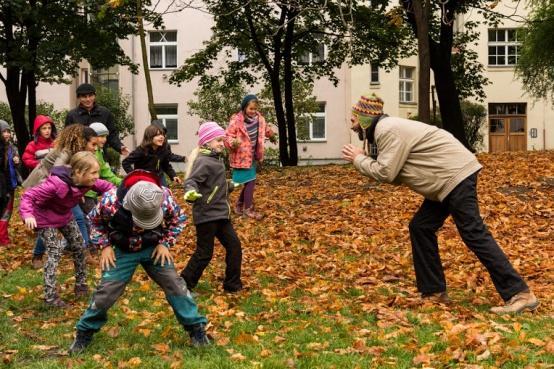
(462,204)
(205,235)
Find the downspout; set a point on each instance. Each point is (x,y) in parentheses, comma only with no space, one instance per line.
(544,124)
(133,94)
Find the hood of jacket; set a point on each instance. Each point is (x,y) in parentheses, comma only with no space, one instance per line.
(63,172)
(40,120)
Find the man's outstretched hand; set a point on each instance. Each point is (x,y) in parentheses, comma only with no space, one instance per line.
(349,152)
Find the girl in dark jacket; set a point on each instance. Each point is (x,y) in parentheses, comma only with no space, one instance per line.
(152,155)
(12,179)
(207,187)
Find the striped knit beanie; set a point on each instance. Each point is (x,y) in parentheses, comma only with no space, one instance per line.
(144,201)
(367,108)
(209,131)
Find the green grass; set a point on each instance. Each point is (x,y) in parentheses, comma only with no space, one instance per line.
(281,334)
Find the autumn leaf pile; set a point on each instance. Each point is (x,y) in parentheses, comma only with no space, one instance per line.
(329,231)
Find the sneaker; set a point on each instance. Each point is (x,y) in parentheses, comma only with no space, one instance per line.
(56,303)
(517,304)
(82,340)
(81,290)
(250,213)
(37,262)
(437,297)
(198,336)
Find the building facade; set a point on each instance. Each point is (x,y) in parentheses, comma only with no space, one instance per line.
(514,121)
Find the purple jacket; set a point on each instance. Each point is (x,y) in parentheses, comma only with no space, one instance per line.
(50,202)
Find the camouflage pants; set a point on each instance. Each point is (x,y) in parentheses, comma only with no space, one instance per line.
(55,248)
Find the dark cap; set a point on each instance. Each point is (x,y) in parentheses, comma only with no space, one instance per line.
(246,100)
(85,89)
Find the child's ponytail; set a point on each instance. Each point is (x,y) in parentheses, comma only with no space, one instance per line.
(191,159)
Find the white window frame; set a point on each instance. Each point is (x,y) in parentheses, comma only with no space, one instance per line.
(241,56)
(506,44)
(403,84)
(164,117)
(163,44)
(318,114)
(310,60)
(372,72)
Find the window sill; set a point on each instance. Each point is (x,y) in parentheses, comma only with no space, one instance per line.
(161,69)
(407,103)
(321,140)
(173,142)
(501,67)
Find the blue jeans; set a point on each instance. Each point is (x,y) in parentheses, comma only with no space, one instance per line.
(82,223)
(39,247)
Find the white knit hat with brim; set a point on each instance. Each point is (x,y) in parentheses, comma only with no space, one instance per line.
(144,201)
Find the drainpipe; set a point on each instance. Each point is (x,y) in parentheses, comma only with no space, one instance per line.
(544,125)
(133,99)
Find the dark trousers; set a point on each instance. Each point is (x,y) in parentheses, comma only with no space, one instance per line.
(462,204)
(205,235)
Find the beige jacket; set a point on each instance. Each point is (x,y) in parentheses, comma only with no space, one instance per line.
(427,159)
(42,170)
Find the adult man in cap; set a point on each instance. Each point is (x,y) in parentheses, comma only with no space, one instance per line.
(136,224)
(436,165)
(89,112)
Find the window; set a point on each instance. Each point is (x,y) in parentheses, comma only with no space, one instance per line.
(374,74)
(168,115)
(312,126)
(84,75)
(107,77)
(407,84)
(504,46)
(507,109)
(241,56)
(311,58)
(163,49)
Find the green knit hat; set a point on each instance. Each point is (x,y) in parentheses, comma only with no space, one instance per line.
(368,108)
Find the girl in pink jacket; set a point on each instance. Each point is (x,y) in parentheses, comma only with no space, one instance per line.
(246,134)
(47,207)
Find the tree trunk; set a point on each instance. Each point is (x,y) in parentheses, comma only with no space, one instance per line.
(449,101)
(421,15)
(145,65)
(32,92)
(447,93)
(16,91)
(281,120)
(288,81)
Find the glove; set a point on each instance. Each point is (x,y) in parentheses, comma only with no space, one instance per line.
(192,196)
(235,185)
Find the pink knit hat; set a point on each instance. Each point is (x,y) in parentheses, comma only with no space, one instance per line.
(209,131)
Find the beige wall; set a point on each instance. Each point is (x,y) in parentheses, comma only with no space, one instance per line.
(506,88)
(193,27)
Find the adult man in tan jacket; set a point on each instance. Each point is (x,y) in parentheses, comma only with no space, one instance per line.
(436,165)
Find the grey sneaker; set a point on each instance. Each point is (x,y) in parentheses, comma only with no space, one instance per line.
(198,336)
(82,340)
(523,301)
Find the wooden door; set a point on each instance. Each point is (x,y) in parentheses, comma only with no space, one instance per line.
(507,133)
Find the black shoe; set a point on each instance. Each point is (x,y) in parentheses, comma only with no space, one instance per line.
(82,340)
(198,336)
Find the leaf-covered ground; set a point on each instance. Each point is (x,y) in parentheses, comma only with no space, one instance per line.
(330,285)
